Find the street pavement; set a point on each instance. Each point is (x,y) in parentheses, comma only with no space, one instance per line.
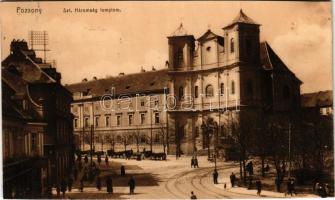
(171,179)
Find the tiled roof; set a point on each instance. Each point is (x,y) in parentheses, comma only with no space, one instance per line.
(271,61)
(146,82)
(124,84)
(317,99)
(242,18)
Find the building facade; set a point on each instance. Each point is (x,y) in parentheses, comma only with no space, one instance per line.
(40,94)
(227,78)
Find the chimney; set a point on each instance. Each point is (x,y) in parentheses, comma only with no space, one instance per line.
(153,68)
(95,78)
(121,74)
(84,80)
(142,69)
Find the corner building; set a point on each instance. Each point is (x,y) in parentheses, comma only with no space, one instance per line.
(230,78)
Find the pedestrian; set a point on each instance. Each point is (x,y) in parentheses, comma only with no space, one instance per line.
(259,187)
(99,159)
(196,162)
(86,159)
(82,185)
(232,179)
(131,184)
(123,170)
(70,182)
(63,187)
(193,195)
(215,176)
(109,185)
(289,187)
(98,183)
(192,162)
(106,160)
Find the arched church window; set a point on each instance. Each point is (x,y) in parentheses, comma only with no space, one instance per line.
(196,91)
(209,91)
(232,87)
(181,92)
(179,57)
(232,45)
(222,89)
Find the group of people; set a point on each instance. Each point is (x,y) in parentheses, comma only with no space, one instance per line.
(109,184)
(194,162)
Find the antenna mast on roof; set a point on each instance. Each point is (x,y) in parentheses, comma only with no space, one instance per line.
(39,39)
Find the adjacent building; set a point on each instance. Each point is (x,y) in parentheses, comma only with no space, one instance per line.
(225,77)
(37,124)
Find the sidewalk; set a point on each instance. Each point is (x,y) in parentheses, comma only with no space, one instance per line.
(253,192)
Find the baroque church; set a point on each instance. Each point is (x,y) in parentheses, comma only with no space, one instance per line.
(209,84)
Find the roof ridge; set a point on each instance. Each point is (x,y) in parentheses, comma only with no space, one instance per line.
(118,76)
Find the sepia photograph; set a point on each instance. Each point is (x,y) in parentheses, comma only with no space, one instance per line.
(166,99)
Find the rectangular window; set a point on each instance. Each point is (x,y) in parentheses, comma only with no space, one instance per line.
(156,102)
(196,92)
(96,121)
(118,120)
(157,118)
(142,118)
(87,123)
(107,121)
(142,103)
(130,119)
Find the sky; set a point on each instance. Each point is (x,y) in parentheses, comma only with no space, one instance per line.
(85,45)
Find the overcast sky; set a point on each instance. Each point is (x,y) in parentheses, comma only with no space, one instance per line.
(87,44)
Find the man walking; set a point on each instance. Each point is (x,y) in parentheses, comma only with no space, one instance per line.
(98,183)
(215,176)
(232,179)
(131,184)
(123,170)
(109,184)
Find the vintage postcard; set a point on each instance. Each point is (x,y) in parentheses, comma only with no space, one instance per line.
(166,99)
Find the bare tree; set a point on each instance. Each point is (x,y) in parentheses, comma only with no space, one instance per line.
(163,134)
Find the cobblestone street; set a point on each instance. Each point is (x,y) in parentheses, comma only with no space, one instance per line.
(168,179)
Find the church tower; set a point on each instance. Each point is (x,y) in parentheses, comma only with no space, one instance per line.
(181,49)
(242,37)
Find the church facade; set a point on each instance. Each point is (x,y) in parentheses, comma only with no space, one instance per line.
(209,84)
